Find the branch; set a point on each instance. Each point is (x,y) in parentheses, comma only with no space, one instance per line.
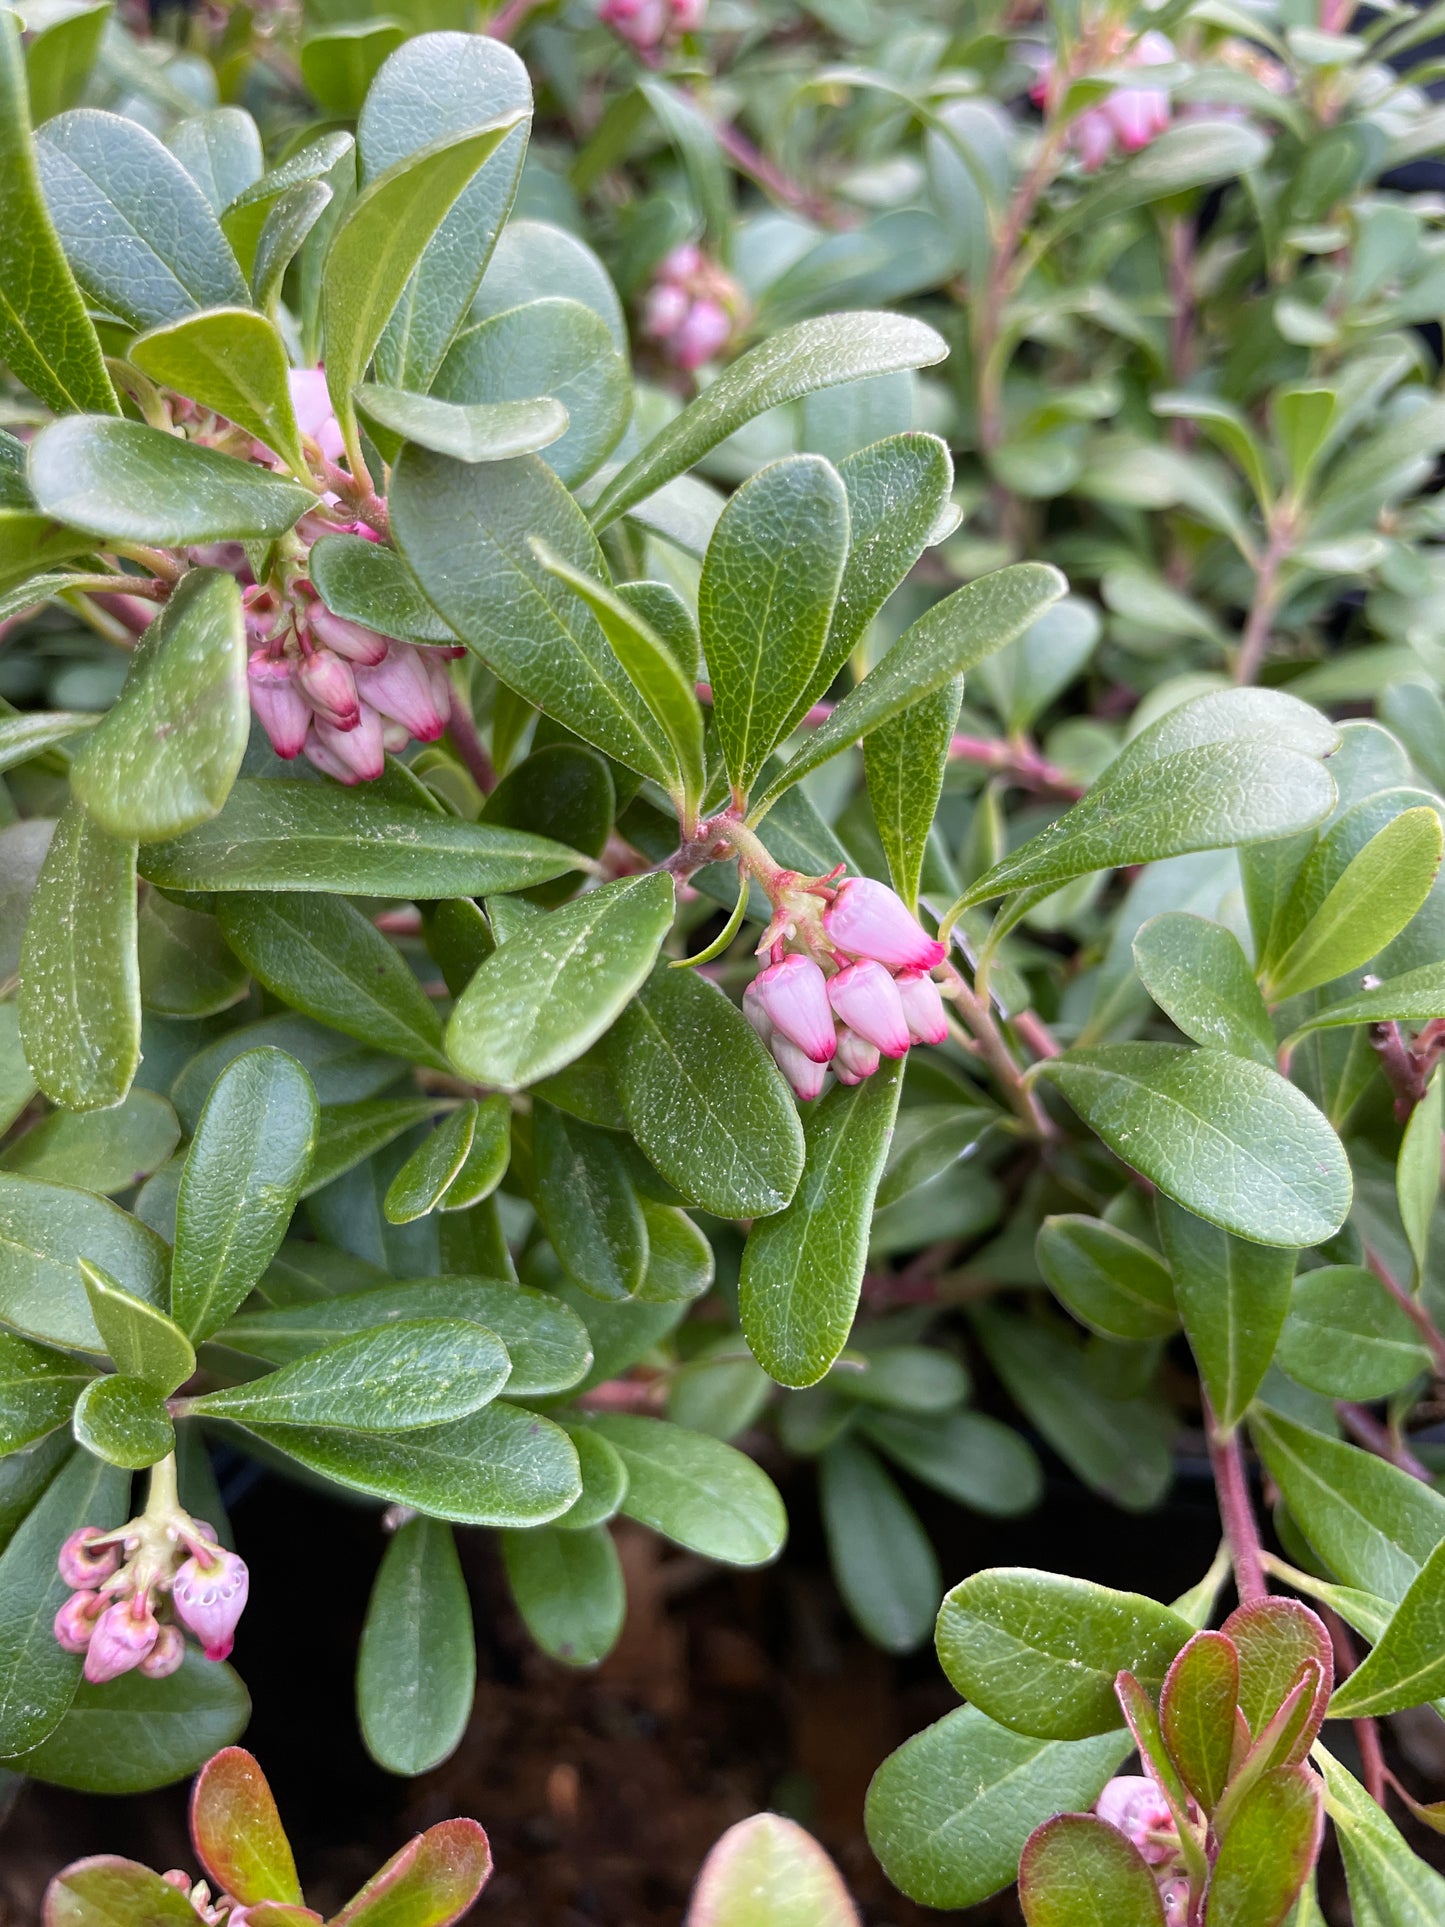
(1236,1509)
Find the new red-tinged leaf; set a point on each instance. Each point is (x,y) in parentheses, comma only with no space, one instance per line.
(1268,1852)
(1078,1871)
(430,1883)
(238,1833)
(1273,1637)
(1196,1712)
(107,1891)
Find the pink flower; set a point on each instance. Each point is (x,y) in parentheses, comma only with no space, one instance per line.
(277,702)
(1093,134)
(922,1006)
(1133,1803)
(755,1014)
(124,1634)
(856,1057)
(401,687)
(664,310)
(83,1563)
(703,333)
(75,1622)
(350,755)
(1137,115)
(683,264)
(166,1656)
(867,919)
(794,996)
(314,414)
(209,1595)
(805,1075)
(865,996)
(348,639)
(688,15)
(643,23)
(329,685)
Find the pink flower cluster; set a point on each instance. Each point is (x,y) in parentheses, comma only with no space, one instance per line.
(1133,1803)
(689,310)
(649,24)
(875,998)
(119,1579)
(1129,118)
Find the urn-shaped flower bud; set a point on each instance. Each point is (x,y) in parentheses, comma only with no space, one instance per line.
(1133,1803)
(794,996)
(277,703)
(354,755)
(401,687)
(643,23)
(856,1058)
(209,1595)
(165,1657)
(922,1006)
(329,685)
(84,1563)
(349,639)
(755,1014)
(75,1622)
(664,310)
(124,1634)
(702,333)
(806,1076)
(866,998)
(867,919)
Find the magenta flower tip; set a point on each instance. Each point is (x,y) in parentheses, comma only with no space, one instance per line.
(866,998)
(869,920)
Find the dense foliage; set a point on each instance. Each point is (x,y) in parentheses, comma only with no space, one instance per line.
(711,717)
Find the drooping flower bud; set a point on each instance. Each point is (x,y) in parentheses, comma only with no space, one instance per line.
(165,1657)
(806,1077)
(856,1058)
(794,995)
(75,1622)
(866,998)
(349,639)
(703,333)
(664,309)
(922,1006)
(867,919)
(400,687)
(688,15)
(83,1563)
(755,1014)
(1133,1803)
(314,414)
(277,703)
(329,685)
(124,1634)
(642,23)
(209,1596)
(350,755)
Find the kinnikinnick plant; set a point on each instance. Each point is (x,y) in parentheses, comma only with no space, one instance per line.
(568,928)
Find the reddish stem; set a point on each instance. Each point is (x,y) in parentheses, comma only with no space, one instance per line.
(1412,1308)
(462,728)
(1367,1732)
(1018,762)
(1380,1440)
(1236,1509)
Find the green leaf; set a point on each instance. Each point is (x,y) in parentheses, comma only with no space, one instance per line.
(44,1230)
(398,1377)
(104,1151)
(379,243)
(416,1670)
(1188,155)
(1078,1871)
(904,761)
(587,1204)
(1040,1652)
(769,584)
(139,1337)
(134,483)
(653,669)
(46,336)
(568,1588)
(1024,679)
(37,1390)
(546,1342)
(338,66)
(186,969)
(102,174)
(430,1883)
(604,1479)
(136,1733)
(118,1893)
(1111,1282)
(1198,975)
(500,1467)
(1345,1336)
(1198,1711)
(426,1177)
(288,223)
(238,1833)
(232,360)
(280,835)
(927,1140)
(467,532)
(17,1086)
(1233,1296)
(559,984)
(703,1098)
(951,638)
(1226,1137)
(881,1557)
(1374,1525)
(488,431)
(349,1134)
(767,1872)
(948,1814)
(165,757)
(79,993)
(803,1269)
(1417,1171)
(325,958)
(485,1164)
(1414,997)
(1407,1663)
(1267,1854)
(243,1175)
(969,1457)
(813,354)
(124,1421)
(37,1679)
(696,1491)
(1384,1874)
(220,150)
(1377,895)
(22,737)
(329,161)
(680,1261)
(369,583)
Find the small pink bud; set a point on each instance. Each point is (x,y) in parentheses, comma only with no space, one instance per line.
(401,688)
(682,264)
(870,920)
(702,334)
(806,1077)
(124,1634)
(856,1058)
(75,1622)
(1133,1803)
(209,1596)
(922,1006)
(358,755)
(640,22)
(329,685)
(866,998)
(178,1878)
(1137,115)
(165,1657)
(688,15)
(83,1563)
(1093,134)
(755,1014)
(664,310)
(349,639)
(314,414)
(794,995)
(1174,1895)
(277,703)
